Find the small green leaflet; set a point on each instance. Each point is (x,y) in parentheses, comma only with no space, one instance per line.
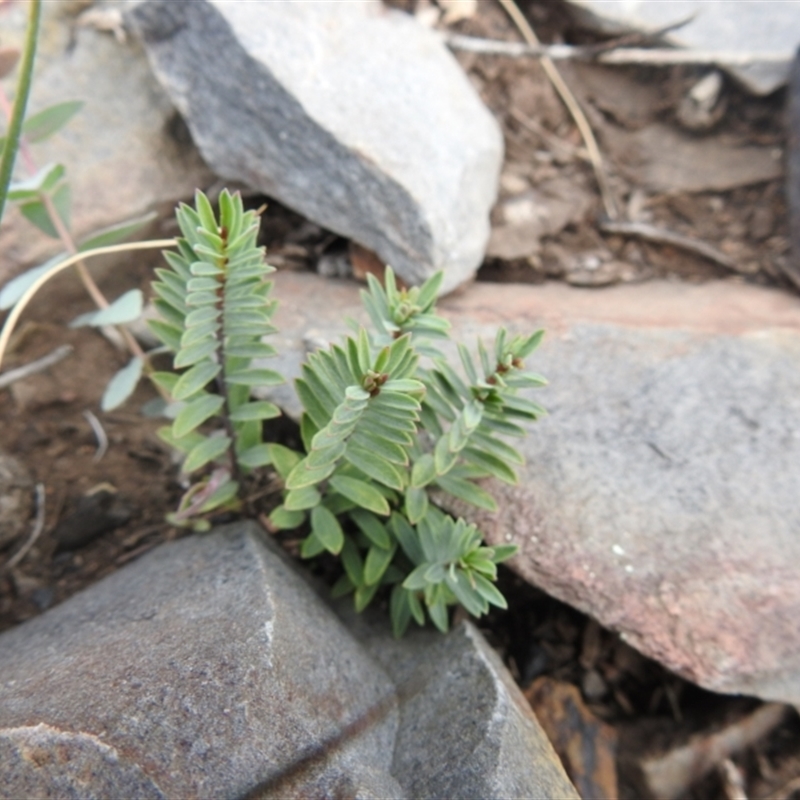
(122,385)
(125,308)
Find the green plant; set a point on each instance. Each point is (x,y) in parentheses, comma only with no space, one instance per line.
(10,143)
(215,308)
(44,199)
(389,427)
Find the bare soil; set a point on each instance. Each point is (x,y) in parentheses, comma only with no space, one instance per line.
(102,512)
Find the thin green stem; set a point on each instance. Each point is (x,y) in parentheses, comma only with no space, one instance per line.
(20,102)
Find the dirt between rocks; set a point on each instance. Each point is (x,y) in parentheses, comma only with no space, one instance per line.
(101,512)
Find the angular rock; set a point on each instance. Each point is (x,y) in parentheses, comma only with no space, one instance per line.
(206,669)
(740,28)
(660,495)
(126,151)
(350,113)
(459,706)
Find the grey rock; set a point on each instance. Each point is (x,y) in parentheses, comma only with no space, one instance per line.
(660,494)
(350,113)
(459,706)
(206,669)
(741,28)
(126,151)
(41,761)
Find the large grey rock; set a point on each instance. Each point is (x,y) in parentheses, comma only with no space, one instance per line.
(206,669)
(126,151)
(459,706)
(351,113)
(739,28)
(209,668)
(660,494)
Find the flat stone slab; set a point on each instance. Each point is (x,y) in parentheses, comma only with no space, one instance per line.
(660,494)
(738,28)
(353,114)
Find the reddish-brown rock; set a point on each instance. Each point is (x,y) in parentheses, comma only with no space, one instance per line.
(660,494)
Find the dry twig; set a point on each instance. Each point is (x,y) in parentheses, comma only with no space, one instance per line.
(572,105)
(651,233)
(40,365)
(732,781)
(615,54)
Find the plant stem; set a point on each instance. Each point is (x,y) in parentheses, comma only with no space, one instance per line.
(20,101)
(16,312)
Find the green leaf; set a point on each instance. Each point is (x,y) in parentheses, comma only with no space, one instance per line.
(327,529)
(254,377)
(376,564)
(221,496)
(285,520)
(407,536)
(352,562)
(16,287)
(208,450)
(195,379)
(363,596)
(125,308)
(491,464)
(501,552)
(164,380)
(311,546)
(489,591)
(444,458)
(122,385)
(45,123)
(256,456)
(400,611)
(466,595)
(197,351)
(195,413)
(169,335)
(467,491)
(283,459)
(43,182)
(361,493)
(37,214)
(416,580)
(416,505)
(258,410)
(117,233)
(301,499)
(254,350)
(438,614)
(342,587)
(372,528)
(424,471)
(374,466)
